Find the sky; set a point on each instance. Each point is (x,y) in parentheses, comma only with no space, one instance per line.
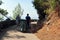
(26,5)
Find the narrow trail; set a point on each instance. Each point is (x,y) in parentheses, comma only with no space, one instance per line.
(12,34)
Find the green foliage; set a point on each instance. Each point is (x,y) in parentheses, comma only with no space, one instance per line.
(37,4)
(3,12)
(40,5)
(52,4)
(17,11)
(48,5)
(1,2)
(44,6)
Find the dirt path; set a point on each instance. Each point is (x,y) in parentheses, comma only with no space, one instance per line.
(13,34)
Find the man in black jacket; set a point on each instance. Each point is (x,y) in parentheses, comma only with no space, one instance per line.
(28,19)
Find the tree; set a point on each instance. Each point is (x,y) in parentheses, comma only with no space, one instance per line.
(3,12)
(1,2)
(17,11)
(44,7)
(40,5)
(1,17)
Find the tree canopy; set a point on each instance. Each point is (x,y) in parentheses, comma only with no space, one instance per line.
(1,2)
(2,12)
(39,5)
(17,11)
(45,6)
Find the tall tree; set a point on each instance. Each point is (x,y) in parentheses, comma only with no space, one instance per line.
(44,7)
(17,11)
(40,6)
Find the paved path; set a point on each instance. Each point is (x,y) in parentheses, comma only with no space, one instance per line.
(13,34)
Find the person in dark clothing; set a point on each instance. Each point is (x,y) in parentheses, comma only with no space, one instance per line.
(28,22)
(18,20)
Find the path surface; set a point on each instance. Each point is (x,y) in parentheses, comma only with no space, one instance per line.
(13,34)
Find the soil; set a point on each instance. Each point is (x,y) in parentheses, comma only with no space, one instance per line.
(51,29)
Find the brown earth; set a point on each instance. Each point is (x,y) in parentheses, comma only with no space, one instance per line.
(51,28)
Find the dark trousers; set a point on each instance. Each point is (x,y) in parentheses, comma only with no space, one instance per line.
(28,27)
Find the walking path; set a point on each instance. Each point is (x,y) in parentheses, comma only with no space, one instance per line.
(13,34)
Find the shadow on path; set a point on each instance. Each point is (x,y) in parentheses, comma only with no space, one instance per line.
(4,33)
(37,27)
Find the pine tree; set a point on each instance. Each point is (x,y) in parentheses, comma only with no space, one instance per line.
(17,11)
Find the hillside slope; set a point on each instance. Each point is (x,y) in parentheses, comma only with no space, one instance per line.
(51,29)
